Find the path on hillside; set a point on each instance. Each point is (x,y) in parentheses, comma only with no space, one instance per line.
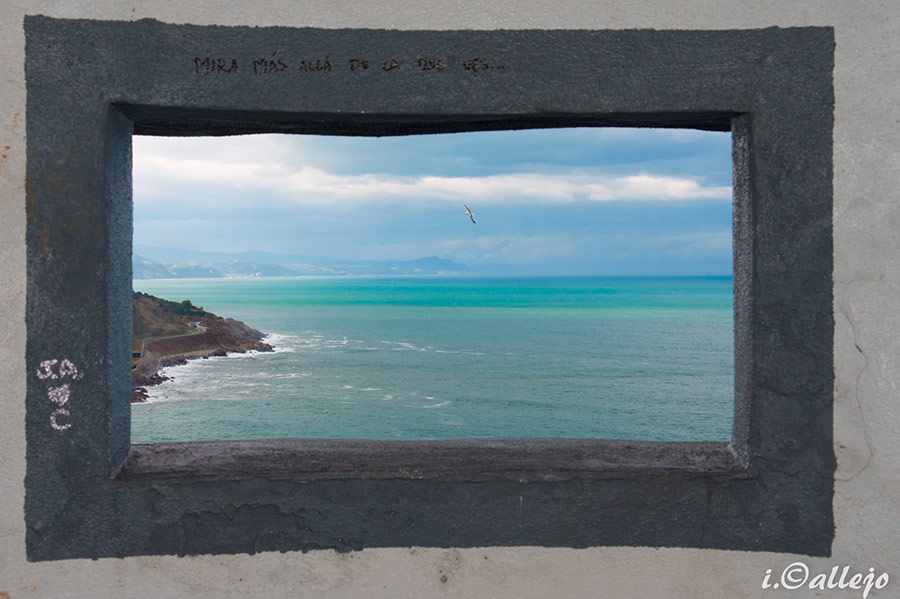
(197,330)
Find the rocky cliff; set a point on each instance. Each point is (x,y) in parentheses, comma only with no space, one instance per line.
(166,333)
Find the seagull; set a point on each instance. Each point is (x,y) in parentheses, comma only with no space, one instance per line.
(469,212)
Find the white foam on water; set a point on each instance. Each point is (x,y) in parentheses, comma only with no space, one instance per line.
(282,343)
(187,382)
(316,342)
(403,346)
(284,375)
(437,405)
(281,349)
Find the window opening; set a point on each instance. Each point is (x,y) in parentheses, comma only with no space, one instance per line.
(569,283)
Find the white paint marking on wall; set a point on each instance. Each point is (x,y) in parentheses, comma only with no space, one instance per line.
(46,370)
(59,394)
(55,424)
(66,368)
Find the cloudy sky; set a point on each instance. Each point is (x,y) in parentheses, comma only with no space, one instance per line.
(552,201)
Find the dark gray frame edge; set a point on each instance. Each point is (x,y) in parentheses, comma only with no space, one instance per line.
(770,489)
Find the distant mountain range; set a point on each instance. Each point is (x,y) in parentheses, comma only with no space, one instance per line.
(150,262)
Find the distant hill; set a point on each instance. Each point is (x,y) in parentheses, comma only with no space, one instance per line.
(149,262)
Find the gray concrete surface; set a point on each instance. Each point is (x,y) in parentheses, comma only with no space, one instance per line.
(867,335)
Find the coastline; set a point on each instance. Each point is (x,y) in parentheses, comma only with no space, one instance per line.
(169,369)
(167,333)
(157,374)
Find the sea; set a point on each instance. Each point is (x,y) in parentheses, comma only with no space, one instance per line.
(644,358)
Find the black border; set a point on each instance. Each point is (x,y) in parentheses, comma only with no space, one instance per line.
(92,84)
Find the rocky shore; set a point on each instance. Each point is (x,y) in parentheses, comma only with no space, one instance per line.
(170,333)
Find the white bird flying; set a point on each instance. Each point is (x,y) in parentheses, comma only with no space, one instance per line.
(469,212)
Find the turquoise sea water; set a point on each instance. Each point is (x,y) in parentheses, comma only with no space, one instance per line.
(444,358)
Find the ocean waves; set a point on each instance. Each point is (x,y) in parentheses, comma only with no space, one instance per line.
(643,369)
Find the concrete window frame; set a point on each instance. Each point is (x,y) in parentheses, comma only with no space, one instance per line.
(91,85)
